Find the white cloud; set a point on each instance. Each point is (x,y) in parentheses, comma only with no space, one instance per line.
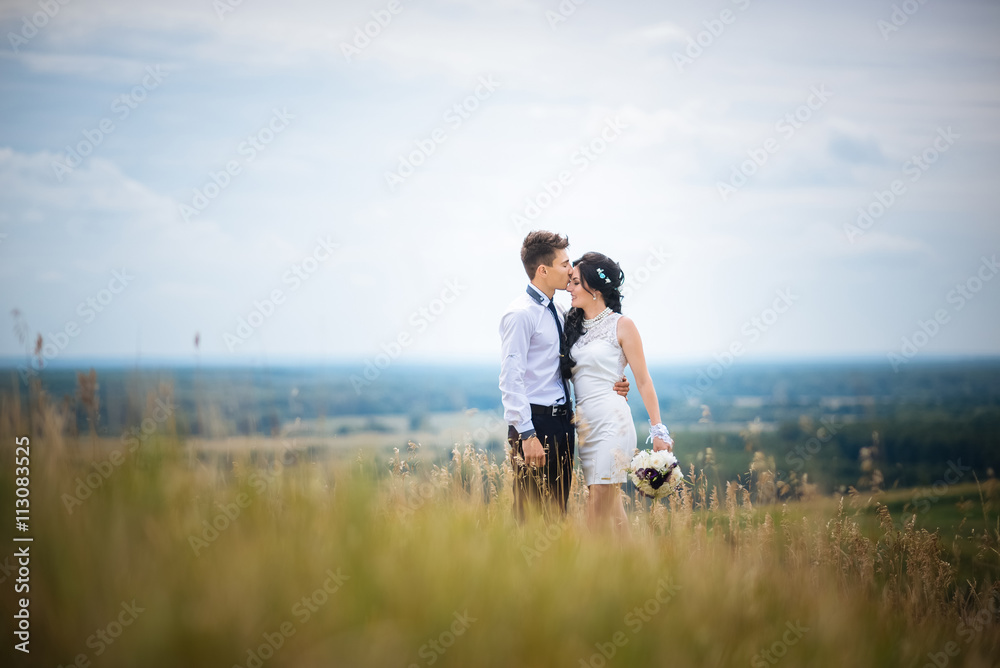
(656,185)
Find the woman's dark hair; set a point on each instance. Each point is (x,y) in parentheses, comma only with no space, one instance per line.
(592,266)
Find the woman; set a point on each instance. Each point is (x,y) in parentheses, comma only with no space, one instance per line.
(600,342)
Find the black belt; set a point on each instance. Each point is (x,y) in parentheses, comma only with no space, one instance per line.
(554,411)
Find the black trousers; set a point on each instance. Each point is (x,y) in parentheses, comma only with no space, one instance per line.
(545,487)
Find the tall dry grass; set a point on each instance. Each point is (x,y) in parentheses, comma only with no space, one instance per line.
(422,564)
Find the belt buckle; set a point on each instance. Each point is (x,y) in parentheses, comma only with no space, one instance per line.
(555,411)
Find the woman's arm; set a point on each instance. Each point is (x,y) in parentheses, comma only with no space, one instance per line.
(631,343)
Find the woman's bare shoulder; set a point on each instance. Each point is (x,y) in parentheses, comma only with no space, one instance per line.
(626,327)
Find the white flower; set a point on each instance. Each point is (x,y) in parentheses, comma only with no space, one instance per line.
(660,462)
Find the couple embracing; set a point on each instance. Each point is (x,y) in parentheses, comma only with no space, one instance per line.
(546,350)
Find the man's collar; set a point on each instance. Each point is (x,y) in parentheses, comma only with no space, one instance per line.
(537,295)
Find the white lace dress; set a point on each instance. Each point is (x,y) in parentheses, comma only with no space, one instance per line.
(604,427)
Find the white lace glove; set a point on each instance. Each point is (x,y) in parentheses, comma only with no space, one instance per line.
(659,431)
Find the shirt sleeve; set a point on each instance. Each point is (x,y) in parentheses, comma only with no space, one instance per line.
(515,335)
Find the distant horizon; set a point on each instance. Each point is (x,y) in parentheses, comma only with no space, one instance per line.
(7,362)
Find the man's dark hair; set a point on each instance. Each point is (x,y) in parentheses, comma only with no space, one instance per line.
(540,247)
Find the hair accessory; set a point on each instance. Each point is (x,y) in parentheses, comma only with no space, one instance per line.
(600,272)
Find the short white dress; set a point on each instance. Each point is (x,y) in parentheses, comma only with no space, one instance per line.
(604,428)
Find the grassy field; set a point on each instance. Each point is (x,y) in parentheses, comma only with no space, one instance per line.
(151,551)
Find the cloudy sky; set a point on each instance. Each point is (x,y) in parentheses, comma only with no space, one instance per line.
(170,168)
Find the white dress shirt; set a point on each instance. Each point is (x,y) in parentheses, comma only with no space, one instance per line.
(529,368)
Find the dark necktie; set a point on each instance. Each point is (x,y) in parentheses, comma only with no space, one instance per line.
(562,340)
(555,314)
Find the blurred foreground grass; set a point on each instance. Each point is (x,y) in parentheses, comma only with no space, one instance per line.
(184,558)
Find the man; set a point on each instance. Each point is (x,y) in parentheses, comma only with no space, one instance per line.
(535,396)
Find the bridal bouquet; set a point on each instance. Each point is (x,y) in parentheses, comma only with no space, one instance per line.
(656,474)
